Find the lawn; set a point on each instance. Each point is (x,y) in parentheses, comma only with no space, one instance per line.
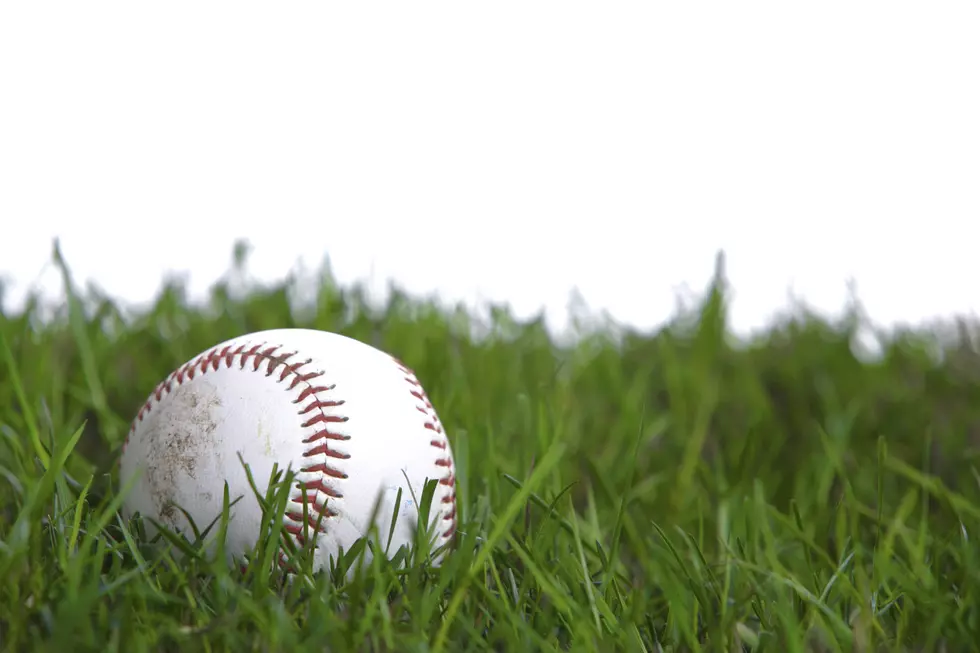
(676,490)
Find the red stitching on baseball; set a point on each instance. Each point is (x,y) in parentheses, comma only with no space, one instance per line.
(326,451)
(309,389)
(317,419)
(323,404)
(432,423)
(325,470)
(311,491)
(325,435)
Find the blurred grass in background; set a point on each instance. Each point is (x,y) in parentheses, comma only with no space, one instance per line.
(667,491)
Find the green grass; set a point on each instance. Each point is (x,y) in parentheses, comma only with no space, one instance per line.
(668,491)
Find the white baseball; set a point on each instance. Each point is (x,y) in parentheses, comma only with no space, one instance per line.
(351,421)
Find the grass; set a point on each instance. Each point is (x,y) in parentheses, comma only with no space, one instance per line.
(668,491)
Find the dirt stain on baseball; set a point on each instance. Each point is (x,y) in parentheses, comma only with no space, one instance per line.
(265,437)
(182,436)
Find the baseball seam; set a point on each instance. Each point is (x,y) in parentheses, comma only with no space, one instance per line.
(439,441)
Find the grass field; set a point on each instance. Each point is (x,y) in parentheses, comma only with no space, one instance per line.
(669,491)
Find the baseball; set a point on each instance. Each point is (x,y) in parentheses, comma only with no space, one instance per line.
(352,422)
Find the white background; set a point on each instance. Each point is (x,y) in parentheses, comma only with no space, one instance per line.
(504,150)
